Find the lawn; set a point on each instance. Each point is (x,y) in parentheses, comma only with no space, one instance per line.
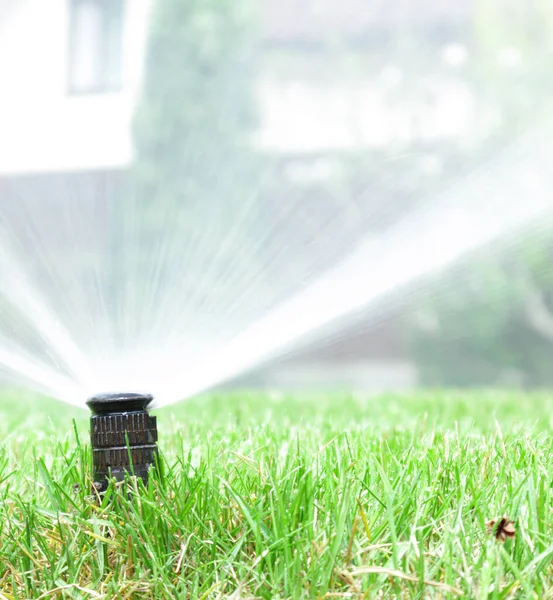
(268,496)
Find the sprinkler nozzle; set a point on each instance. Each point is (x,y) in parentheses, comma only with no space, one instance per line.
(123,436)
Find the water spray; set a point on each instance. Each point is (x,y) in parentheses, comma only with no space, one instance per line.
(123,436)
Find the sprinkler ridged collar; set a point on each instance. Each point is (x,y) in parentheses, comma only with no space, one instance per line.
(123,436)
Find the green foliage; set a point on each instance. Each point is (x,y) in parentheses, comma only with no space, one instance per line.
(491,320)
(196,174)
(513,51)
(196,111)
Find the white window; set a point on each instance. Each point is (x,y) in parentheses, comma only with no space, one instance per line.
(95,46)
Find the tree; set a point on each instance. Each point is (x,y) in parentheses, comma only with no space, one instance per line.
(196,173)
(492,320)
(512,54)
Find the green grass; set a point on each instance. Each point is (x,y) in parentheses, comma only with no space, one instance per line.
(278,497)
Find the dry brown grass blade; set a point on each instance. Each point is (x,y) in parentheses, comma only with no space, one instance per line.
(400,575)
(351,538)
(180,558)
(364,519)
(69,586)
(346,577)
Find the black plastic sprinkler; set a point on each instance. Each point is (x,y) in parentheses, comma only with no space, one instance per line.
(123,436)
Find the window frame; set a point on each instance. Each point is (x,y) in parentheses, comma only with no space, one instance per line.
(101,85)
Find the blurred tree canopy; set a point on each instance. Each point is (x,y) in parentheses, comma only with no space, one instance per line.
(491,321)
(195,167)
(512,49)
(197,108)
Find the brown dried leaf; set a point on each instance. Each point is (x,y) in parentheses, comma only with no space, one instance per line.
(501,529)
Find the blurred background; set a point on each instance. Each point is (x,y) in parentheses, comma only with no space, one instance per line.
(391,100)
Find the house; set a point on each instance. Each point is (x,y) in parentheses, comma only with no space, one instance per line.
(71,73)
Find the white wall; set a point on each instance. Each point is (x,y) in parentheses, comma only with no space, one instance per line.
(42,127)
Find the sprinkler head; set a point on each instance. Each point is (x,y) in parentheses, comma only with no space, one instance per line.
(123,437)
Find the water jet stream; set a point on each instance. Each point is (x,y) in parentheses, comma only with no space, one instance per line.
(439,237)
(43,378)
(27,301)
(176,325)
